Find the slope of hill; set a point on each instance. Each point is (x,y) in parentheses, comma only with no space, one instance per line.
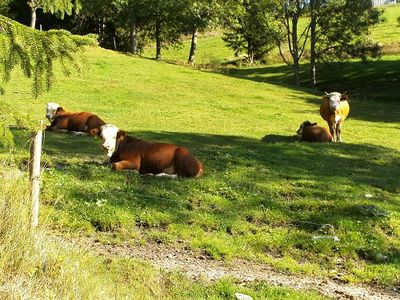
(326,210)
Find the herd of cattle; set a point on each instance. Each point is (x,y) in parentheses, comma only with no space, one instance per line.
(162,159)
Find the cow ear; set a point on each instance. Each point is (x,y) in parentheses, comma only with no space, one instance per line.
(94,131)
(121,135)
(344,98)
(325,97)
(59,109)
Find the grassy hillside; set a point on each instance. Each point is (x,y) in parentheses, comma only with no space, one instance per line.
(264,197)
(388,31)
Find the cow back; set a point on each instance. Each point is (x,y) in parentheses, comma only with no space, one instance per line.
(316,134)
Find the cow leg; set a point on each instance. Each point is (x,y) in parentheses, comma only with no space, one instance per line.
(338,132)
(126,165)
(56,127)
(332,130)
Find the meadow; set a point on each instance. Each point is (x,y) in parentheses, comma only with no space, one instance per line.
(322,210)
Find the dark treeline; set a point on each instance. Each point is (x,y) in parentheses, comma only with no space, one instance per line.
(334,29)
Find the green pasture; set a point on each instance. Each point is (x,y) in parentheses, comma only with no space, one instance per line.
(316,209)
(211,51)
(388,31)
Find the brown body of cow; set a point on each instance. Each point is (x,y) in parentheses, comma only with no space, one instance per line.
(75,121)
(154,158)
(311,132)
(334,110)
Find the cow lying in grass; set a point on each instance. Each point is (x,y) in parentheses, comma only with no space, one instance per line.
(311,132)
(76,122)
(126,152)
(335,110)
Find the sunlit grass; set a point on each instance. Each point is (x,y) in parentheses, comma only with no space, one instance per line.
(264,196)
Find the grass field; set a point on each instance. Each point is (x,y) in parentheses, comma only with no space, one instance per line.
(264,197)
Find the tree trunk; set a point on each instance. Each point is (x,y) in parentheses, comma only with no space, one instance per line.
(33,17)
(158,40)
(295,52)
(313,41)
(133,37)
(193,47)
(250,51)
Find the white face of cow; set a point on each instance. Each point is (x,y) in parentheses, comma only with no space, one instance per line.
(334,100)
(109,136)
(51,110)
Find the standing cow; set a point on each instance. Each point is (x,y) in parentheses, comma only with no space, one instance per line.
(335,110)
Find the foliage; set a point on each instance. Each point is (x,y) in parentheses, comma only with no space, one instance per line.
(200,15)
(4,6)
(250,28)
(343,29)
(35,52)
(57,7)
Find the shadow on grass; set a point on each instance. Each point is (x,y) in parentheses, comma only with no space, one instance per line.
(276,138)
(368,84)
(353,163)
(271,182)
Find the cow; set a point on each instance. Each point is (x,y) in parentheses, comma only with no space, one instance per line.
(161,159)
(311,132)
(335,109)
(76,122)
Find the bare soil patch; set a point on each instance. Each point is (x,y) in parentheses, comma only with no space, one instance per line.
(195,266)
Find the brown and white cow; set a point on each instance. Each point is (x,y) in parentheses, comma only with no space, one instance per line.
(127,152)
(77,122)
(311,132)
(335,110)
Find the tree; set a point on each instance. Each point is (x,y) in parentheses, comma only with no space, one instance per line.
(4,6)
(249,27)
(99,17)
(166,21)
(59,7)
(339,30)
(35,52)
(134,15)
(288,13)
(198,16)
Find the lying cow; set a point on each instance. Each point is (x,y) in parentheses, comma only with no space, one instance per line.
(77,122)
(311,132)
(126,152)
(335,110)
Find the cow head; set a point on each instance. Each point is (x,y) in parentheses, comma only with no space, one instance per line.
(334,99)
(302,126)
(110,135)
(51,110)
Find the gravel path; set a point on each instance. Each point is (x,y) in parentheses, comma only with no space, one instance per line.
(195,266)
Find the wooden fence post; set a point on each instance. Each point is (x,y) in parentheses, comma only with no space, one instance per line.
(34,173)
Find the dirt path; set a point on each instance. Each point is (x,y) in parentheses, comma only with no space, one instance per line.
(194,266)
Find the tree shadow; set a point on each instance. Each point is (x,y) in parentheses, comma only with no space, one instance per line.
(373,86)
(274,182)
(276,138)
